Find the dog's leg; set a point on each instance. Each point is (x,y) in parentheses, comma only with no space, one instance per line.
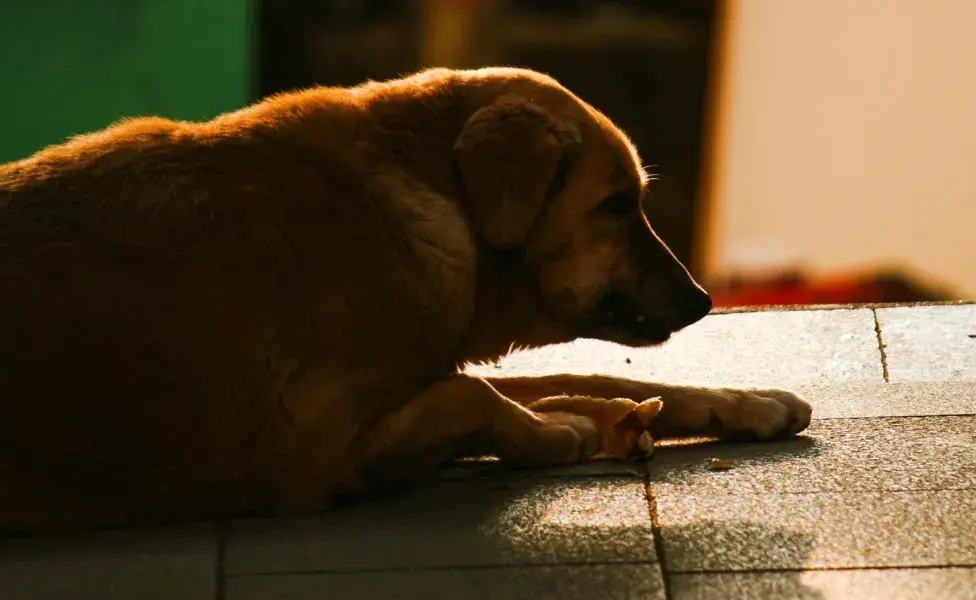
(465,416)
(688,411)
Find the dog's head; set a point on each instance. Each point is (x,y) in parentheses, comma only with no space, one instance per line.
(552,181)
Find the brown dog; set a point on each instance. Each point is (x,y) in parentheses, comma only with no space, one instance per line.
(251,315)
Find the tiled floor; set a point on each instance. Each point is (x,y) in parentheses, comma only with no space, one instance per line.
(876,500)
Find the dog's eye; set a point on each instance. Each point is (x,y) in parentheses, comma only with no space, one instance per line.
(620,204)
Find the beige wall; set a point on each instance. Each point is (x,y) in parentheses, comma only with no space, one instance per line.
(847,137)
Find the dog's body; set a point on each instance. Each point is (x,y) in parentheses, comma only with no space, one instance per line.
(250,315)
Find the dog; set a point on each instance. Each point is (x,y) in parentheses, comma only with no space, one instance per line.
(261,313)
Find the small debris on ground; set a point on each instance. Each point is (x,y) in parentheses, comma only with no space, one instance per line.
(717,464)
(628,360)
(971,335)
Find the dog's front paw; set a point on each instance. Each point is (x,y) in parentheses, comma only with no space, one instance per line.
(760,414)
(614,429)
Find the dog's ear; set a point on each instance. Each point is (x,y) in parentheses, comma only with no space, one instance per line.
(508,155)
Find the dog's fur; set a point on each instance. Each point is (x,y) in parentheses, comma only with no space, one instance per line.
(254,314)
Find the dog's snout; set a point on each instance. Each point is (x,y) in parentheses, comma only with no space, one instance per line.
(686,301)
(694,304)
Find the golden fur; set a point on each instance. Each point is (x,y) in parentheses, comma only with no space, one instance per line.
(254,314)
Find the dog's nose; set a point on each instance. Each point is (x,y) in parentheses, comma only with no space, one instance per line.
(693,305)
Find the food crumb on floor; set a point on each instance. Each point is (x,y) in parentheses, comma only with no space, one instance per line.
(717,464)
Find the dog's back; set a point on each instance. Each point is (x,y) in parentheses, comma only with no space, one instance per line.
(113,318)
(180,299)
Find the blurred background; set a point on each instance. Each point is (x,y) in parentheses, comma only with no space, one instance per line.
(807,151)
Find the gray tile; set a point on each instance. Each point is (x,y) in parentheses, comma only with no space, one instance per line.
(530,583)
(763,348)
(879,399)
(849,455)
(929,343)
(467,524)
(885,584)
(152,564)
(738,532)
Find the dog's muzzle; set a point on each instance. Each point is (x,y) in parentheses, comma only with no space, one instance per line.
(618,310)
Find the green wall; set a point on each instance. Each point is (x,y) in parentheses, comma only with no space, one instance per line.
(73,66)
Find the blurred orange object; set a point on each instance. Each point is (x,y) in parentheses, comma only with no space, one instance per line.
(794,289)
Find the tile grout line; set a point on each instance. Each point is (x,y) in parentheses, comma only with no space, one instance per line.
(441,568)
(824,569)
(881,345)
(656,531)
(882,417)
(578,564)
(220,579)
(764,308)
(735,493)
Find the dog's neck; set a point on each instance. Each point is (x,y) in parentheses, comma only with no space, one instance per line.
(508,313)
